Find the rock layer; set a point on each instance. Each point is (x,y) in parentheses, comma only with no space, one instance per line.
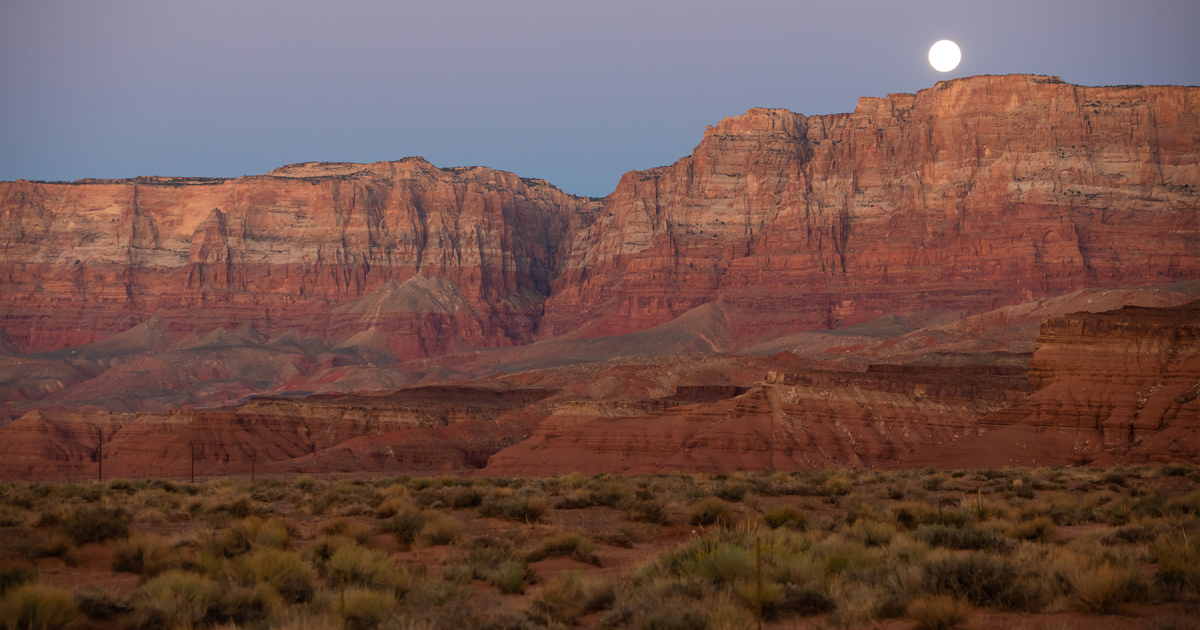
(974,194)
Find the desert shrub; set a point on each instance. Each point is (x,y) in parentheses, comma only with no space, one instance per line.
(1187,504)
(441,530)
(727,564)
(1102,588)
(98,603)
(390,507)
(510,576)
(648,511)
(283,571)
(321,549)
(405,526)
(561,601)
(528,509)
(980,578)
(243,605)
(89,523)
(1040,529)
(360,532)
(241,508)
(732,492)
(798,600)
(146,555)
(61,546)
(14,576)
(675,616)
(305,482)
(710,511)
(365,608)
(39,606)
(466,497)
(958,538)
(175,599)
(939,612)
(1178,557)
(785,516)
(362,567)
(10,517)
(871,533)
(568,545)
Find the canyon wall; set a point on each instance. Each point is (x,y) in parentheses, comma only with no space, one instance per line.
(974,194)
(446,258)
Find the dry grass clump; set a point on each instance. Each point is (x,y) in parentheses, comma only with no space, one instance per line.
(175,599)
(711,511)
(440,530)
(785,516)
(566,545)
(522,509)
(939,612)
(569,597)
(145,554)
(40,606)
(363,567)
(1103,588)
(283,571)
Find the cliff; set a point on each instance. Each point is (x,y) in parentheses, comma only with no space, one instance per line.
(307,247)
(974,194)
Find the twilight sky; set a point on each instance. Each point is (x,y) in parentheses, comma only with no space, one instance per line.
(572,92)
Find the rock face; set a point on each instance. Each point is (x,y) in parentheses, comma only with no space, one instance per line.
(456,258)
(974,194)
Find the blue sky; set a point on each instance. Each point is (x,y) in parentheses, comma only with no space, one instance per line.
(572,92)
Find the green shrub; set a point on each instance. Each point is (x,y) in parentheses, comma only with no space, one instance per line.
(365,608)
(405,526)
(94,523)
(1178,557)
(871,533)
(710,511)
(958,538)
(41,607)
(727,564)
(568,545)
(982,579)
(466,497)
(785,516)
(731,492)
(146,555)
(175,599)
(244,605)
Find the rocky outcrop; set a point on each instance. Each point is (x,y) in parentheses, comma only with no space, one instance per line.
(424,428)
(974,194)
(456,258)
(1118,386)
(806,420)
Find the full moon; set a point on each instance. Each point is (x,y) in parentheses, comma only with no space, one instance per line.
(944,56)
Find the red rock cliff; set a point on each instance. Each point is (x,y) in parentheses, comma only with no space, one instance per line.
(81,261)
(973,194)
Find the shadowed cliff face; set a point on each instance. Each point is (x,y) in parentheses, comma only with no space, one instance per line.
(84,261)
(974,194)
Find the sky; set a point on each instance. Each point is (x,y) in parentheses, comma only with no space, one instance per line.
(573,92)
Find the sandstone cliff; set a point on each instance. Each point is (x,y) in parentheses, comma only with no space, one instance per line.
(302,248)
(974,194)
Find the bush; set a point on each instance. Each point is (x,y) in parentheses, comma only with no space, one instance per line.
(243,605)
(785,516)
(510,576)
(283,571)
(12,577)
(39,606)
(1178,556)
(871,533)
(465,498)
(732,492)
(405,526)
(146,555)
(362,567)
(979,578)
(568,545)
(440,531)
(958,538)
(560,601)
(940,612)
(520,509)
(176,599)
(727,564)
(93,523)
(710,511)
(1040,529)
(648,511)
(1101,589)
(99,603)
(365,608)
